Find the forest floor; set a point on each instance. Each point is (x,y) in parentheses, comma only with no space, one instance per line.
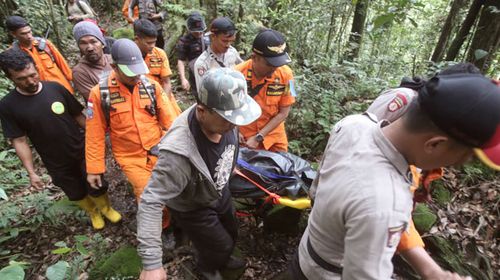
(471,218)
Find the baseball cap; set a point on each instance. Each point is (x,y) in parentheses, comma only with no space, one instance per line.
(13,23)
(223,25)
(196,22)
(467,108)
(128,57)
(224,90)
(272,46)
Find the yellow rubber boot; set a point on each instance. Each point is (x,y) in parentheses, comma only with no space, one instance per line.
(95,216)
(103,204)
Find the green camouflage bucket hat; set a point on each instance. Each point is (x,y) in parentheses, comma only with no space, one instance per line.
(225,91)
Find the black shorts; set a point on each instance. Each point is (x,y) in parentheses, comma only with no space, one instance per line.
(72,179)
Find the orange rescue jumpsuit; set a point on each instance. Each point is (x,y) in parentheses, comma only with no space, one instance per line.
(126,3)
(411,238)
(273,92)
(133,130)
(51,67)
(159,68)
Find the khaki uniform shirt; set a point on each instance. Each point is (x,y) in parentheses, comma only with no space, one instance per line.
(363,203)
(392,104)
(208,60)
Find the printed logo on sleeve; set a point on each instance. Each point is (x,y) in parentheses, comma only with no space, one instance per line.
(394,235)
(397,102)
(90,109)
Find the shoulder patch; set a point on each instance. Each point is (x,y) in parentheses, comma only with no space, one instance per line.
(394,235)
(201,71)
(397,102)
(90,109)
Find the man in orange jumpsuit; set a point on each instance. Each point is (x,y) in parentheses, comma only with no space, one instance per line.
(50,63)
(125,6)
(145,36)
(270,82)
(136,121)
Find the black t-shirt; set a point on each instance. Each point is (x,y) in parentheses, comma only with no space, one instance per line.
(219,157)
(47,119)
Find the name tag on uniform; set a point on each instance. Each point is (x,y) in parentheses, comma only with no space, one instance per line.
(143,94)
(115,98)
(275,89)
(155,62)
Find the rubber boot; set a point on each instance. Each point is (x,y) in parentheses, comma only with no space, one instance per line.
(103,204)
(95,216)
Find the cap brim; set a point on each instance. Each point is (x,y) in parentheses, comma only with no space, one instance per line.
(247,114)
(134,69)
(489,154)
(278,61)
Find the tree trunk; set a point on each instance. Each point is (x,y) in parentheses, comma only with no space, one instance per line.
(343,25)
(55,26)
(211,8)
(467,24)
(358,26)
(7,7)
(446,30)
(331,29)
(487,36)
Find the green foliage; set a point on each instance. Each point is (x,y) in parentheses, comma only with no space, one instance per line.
(123,32)
(423,218)
(123,263)
(57,271)
(475,171)
(440,194)
(326,93)
(83,248)
(14,271)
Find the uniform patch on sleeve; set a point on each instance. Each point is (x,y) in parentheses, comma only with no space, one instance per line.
(394,235)
(90,109)
(397,102)
(201,71)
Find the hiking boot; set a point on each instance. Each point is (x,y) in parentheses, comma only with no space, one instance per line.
(95,216)
(235,263)
(212,275)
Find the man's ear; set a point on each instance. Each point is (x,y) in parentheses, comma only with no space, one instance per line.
(435,143)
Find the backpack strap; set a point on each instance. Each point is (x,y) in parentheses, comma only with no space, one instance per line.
(252,91)
(105,96)
(44,47)
(151,92)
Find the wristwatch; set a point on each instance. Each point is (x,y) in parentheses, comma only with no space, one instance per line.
(259,137)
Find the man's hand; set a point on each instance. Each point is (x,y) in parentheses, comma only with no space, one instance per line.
(156,274)
(35,181)
(252,142)
(185,84)
(241,139)
(94,180)
(155,16)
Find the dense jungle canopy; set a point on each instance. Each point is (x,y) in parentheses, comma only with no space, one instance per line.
(344,53)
